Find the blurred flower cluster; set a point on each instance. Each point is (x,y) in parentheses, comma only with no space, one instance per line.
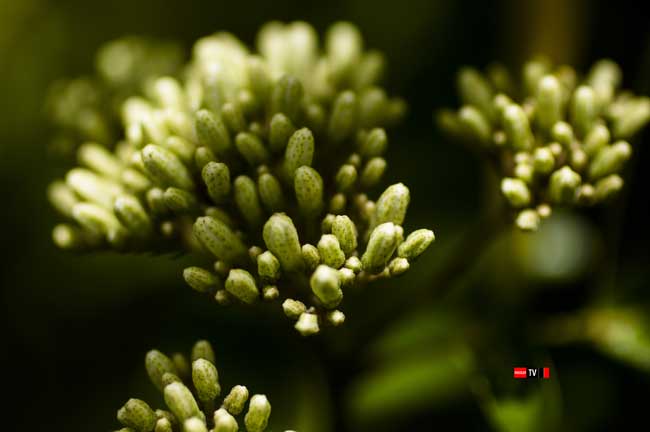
(556,138)
(261,162)
(191,392)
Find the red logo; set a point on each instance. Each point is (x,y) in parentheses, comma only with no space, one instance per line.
(522,372)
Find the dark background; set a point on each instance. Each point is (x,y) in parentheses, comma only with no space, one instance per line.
(77,327)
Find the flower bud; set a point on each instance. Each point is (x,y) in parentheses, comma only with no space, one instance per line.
(203,156)
(335,317)
(372,172)
(96,219)
(62,197)
(517,128)
(233,117)
(241,285)
(610,160)
(271,193)
(93,188)
(346,233)
(415,244)
(474,122)
(200,279)
(206,380)
(181,148)
(224,422)
(346,177)
(330,251)
(157,364)
(382,244)
(353,263)
(281,238)
(194,424)
(236,400)
(308,186)
(596,139)
(563,133)
(220,240)
(217,179)
(251,148)
(280,131)
(247,200)
(203,350)
(527,220)
(299,152)
(180,401)
(163,425)
(100,160)
(375,143)
(549,102)
(563,185)
(543,160)
(392,205)
(179,201)
(311,256)
(286,97)
(165,168)
(212,133)
(636,116)
(132,215)
(516,192)
(343,118)
(268,266)
(583,110)
(475,90)
(398,266)
(259,411)
(607,187)
(138,415)
(307,324)
(326,286)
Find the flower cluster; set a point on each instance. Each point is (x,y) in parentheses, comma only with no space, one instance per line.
(191,392)
(263,163)
(557,140)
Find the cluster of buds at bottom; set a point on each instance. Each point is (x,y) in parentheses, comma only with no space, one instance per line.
(558,139)
(262,163)
(87,108)
(193,396)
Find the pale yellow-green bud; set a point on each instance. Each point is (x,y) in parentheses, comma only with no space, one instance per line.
(475,90)
(92,187)
(138,415)
(415,244)
(517,128)
(247,200)
(219,239)
(203,350)
(233,117)
(259,411)
(299,152)
(346,233)
(212,132)
(583,110)
(344,116)
(224,421)
(157,364)
(372,172)
(330,251)
(474,122)
(346,177)
(281,129)
(203,156)
(308,186)
(100,160)
(206,380)
(270,292)
(217,179)
(527,220)
(563,185)
(311,256)
(293,308)
(268,266)
(62,197)
(398,266)
(200,279)
(543,160)
(180,147)
(326,285)
(607,187)
(281,238)
(392,205)
(163,425)
(241,285)
(194,424)
(179,200)
(596,139)
(180,401)
(375,143)
(353,263)
(383,242)
(286,97)
(516,192)
(307,324)
(132,215)
(549,102)
(165,168)
(271,193)
(251,148)
(346,276)
(236,400)
(335,317)
(610,160)
(562,133)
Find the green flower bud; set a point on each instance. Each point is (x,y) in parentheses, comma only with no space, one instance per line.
(281,129)
(93,188)
(610,160)
(398,266)
(194,424)
(163,425)
(330,251)
(475,90)
(219,214)
(583,110)
(156,201)
(326,286)
(200,279)
(475,123)
(344,117)
(96,219)
(392,205)
(132,215)
(236,400)
(346,233)
(62,197)
(300,151)
(372,172)
(158,364)
(353,263)
(271,193)
(241,284)
(180,401)
(527,220)
(346,276)
(286,97)
(165,168)
(259,411)
(293,308)
(585,195)
(563,133)
(138,415)
(203,156)
(517,128)
(608,187)
(346,177)
(543,160)
(259,78)
(206,380)
(248,201)
(415,244)
(100,160)
(179,200)
(549,102)
(307,324)
(69,237)
(563,185)
(604,78)
(180,147)
(135,181)
(343,45)
(596,139)
(268,266)
(212,133)
(270,292)
(217,178)
(224,422)
(311,256)
(382,244)
(524,171)
(375,143)
(635,116)
(182,365)
(251,148)
(281,238)
(338,203)
(169,378)
(335,317)
(216,237)
(308,186)
(233,117)
(516,192)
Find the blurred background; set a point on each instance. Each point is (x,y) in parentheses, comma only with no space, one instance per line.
(77,326)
